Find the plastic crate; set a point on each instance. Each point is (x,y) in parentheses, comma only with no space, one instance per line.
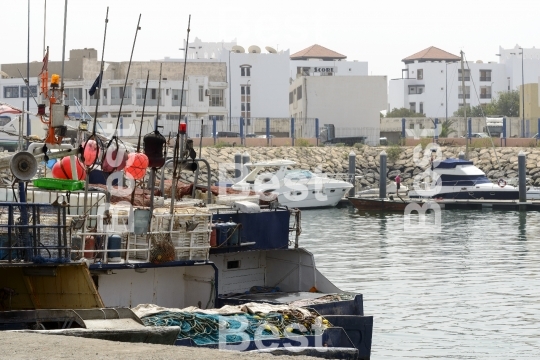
(59,184)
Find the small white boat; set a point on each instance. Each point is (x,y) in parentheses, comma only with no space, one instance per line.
(294,188)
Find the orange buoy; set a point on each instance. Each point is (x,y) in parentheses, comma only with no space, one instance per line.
(90,152)
(136,165)
(62,169)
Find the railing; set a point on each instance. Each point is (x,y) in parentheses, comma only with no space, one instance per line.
(33,232)
(485,96)
(467,78)
(467,96)
(182,236)
(485,78)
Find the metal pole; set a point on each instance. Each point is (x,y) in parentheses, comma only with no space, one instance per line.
(446,89)
(352,170)
(522,96)
(28,78)
(522,177)
(237,167)
(382,175)
(64,46)
(230,80)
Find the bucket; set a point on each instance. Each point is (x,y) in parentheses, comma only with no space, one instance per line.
(114,243)
(232,233)
(222,234)
(89,244)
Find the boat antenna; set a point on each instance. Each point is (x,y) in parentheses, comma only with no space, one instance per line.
(63,49)
(115,135)
(464,106)
(140,129)
(484,116)
(177,154)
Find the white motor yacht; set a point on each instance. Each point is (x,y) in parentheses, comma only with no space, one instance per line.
(294,188)
(460,179)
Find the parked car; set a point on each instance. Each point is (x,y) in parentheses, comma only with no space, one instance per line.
(251,135)
(477,135)
(264,136)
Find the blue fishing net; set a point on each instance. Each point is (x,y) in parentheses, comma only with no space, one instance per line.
(205,329)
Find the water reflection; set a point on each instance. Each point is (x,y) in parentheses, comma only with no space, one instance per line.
(470,291)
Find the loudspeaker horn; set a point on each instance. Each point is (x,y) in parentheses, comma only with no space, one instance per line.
(23,165)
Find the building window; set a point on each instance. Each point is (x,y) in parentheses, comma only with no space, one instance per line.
(245,102)
(176,97)
(416,89)
(485,92)
(485,75)
(24,91)
(421,109)
(72,94)
(467,92)
(412,107)
(245,70)
(11,92)
(216,97)
(217,117)
(299,93)
(467,73)
(291,98)
(420,74)
(201,93)
(117,92)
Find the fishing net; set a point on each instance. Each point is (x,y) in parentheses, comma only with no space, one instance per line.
(206,329)
(162,248)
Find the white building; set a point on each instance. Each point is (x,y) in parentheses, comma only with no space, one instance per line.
(317,60)
(431,80)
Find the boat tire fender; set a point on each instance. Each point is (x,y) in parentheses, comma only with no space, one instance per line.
(501,183)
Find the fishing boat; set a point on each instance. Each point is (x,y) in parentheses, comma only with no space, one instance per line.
(293,187)
(460,179)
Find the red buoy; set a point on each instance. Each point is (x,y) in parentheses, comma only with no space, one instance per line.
(90,152)
(115,160)
(136,165)
(62,169)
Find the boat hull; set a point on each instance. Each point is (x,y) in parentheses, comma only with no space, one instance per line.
(379,204)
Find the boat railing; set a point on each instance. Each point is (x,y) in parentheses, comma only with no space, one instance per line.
(121,237)
(32,232)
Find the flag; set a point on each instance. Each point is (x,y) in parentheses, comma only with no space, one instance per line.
(6,109)
(95,85)
(45,62)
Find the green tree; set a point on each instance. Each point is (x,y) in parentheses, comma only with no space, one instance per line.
(506,104)
(446,128)
(403,113)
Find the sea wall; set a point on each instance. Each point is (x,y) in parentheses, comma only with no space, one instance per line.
(335,160)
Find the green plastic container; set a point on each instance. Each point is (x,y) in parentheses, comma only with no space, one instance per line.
(59,184)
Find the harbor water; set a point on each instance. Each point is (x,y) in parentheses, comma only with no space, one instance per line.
(470,291)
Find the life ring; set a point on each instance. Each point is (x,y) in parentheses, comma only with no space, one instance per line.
(501,183)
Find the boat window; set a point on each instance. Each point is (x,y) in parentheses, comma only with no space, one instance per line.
(298,174)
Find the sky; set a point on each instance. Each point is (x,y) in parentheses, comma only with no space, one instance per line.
(381,32)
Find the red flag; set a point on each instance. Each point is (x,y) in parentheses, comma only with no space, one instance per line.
(45,63)
(5,109)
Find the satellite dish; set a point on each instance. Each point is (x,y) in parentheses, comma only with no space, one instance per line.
(254,49)
(23,165)
(271,50)
(238,49)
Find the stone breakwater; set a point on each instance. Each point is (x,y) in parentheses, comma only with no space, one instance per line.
(335,160)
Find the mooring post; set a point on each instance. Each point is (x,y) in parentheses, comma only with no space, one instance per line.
(403,135)
(237,167)
(245,159)
(214,129)
(352,171)
(461,155)
(436,132)
(317,130)
(522,177)
(382,175)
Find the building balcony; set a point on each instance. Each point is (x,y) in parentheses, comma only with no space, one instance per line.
(485,96)
(485,78)
(149,102)
(467,96)
(467,78)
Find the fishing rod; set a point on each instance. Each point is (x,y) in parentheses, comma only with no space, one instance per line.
(152,181)
(93,135)
(140,129)
(177,151)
